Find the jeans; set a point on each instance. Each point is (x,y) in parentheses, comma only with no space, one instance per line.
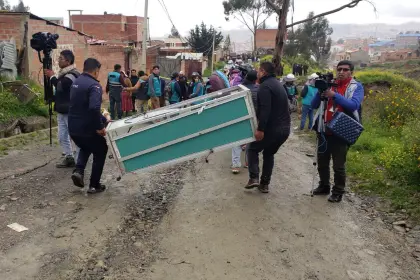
(329,147)
(112,103)
(97,146)
(64,137)
(236,157)
(271,143)
(307,111)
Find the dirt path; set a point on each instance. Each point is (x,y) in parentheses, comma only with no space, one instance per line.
(211,227)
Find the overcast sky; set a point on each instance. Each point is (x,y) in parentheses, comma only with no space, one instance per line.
(186,13)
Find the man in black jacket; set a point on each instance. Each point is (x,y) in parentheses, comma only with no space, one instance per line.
(87,126)
(273,127)
(62,83)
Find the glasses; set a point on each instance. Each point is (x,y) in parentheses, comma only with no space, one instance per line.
(343,69)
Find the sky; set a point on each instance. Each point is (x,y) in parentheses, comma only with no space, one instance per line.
(187,13)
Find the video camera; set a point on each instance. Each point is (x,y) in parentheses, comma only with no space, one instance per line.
(44,41)
(324,82)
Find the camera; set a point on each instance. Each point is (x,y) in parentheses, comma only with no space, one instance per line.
(324,82)
(44,41)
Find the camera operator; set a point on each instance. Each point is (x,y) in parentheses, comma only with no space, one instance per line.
(273,127)
(87,125)
(62,83)
(347,97)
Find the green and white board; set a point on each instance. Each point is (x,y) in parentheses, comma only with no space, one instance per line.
(184,131)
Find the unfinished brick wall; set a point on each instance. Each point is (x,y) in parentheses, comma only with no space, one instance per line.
(115,29)
(12,27)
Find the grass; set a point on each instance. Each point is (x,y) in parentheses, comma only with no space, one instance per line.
(11,108)
(385,160)
(22,141)
(371,77)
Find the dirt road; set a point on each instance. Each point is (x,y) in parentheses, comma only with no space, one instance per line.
(192,221)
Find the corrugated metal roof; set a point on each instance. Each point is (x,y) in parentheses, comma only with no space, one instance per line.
(409,35)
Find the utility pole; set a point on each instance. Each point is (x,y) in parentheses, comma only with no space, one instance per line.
(214,45)
(212,51)
(145,36)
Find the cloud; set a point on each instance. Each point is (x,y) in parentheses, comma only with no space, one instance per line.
(405,12)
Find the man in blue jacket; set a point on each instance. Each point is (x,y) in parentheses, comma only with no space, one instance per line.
(347,97)
(87,126)
(155,87)
(114,87)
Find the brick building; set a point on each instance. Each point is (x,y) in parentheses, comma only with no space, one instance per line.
(173,46)
(21,26)
(115,29)
(411,40)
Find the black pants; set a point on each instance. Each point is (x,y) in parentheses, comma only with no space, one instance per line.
(133,100)
(269,146)
(329,147)
(88,145)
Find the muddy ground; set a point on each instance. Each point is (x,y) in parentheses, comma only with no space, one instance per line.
(193,221)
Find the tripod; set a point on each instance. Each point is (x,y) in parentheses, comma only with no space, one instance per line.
(48,88)
(320,137)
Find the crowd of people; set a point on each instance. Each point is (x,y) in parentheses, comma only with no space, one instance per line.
(78,103)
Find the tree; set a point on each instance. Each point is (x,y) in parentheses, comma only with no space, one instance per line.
(21,8)
(314,37)
(4,5)
(281,8)
(174,33)
(201,40)
(227,45)
(340,41)
(251,13)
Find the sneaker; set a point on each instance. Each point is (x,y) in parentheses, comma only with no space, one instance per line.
(246,165)
(321,190)
(335,198)
(78,179)
(235,170)
(263,188)
(252,183)
(98,189)
(68,162)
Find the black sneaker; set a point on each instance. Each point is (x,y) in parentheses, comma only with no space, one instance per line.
(78,179)
(98,189)
(68,162)
(335,198)
(321,190)
(252,183)
(263,188)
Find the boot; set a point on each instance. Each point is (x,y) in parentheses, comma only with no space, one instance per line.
(67,162)
(96,189)
(322,190)
(78,179)
(264,188)
(252,183)
(335,198)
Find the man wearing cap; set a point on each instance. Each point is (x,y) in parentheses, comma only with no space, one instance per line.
(308,94)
